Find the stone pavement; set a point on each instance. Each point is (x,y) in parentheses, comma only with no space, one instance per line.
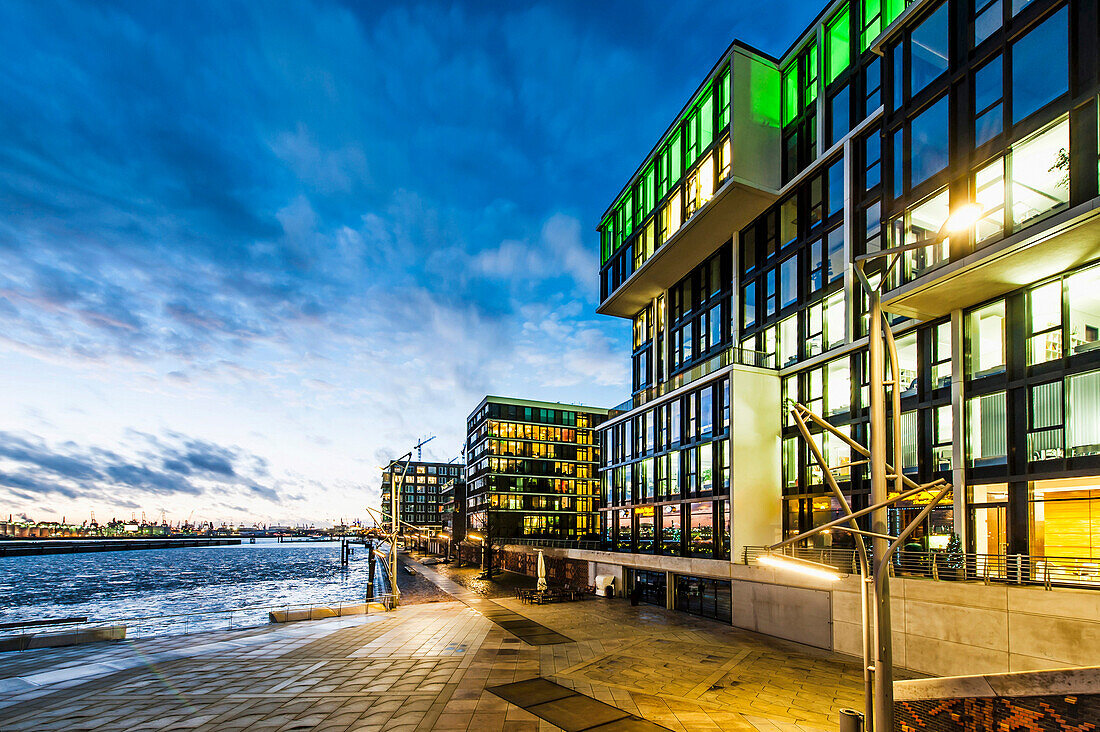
(429,667)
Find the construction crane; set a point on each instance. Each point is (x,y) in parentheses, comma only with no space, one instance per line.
(419,451)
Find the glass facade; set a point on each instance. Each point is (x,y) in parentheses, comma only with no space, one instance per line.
(884,134)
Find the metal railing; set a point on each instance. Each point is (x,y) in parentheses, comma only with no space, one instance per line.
(594,545)
(734,355)
(201,621)
(1019,569)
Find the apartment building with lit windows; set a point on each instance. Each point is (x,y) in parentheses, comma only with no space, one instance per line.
(532,470)
(731,248)
(424,491)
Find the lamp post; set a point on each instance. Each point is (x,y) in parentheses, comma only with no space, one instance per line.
(875,566)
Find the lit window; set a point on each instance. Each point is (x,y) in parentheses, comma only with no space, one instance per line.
(1083,414)
(986,423)
(1040,173)
(923,223)
(1045,341)
(986,340)
(788,341)
(1083,293)
(837,45)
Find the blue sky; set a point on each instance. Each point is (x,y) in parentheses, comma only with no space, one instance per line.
(250,251)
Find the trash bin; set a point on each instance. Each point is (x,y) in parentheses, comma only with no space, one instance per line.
(851,720)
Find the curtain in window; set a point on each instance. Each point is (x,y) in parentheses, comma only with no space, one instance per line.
(1083,418)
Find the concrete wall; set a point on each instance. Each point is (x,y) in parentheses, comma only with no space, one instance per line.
(940,628)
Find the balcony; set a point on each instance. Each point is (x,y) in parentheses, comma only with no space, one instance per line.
(714,171)
(739,356)
(1064,241)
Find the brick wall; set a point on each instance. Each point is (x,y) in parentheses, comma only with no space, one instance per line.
(1071,713)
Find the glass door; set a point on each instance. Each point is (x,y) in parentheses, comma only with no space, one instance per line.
(989,536)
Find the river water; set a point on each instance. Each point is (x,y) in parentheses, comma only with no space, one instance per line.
(167,591)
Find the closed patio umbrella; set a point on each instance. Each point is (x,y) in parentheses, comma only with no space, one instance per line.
(541,586)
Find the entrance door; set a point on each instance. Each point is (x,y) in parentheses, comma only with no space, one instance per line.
(989,535)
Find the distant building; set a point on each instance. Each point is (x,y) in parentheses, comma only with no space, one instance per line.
(532,469)
(421,486)
(452,509)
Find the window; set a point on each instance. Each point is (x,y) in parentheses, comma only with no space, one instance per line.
(872,87)
(1040,66)
(790,462)
(770,300)
(909,441)
(942,435)
(907,364)
(1065,520)
(1040,174)
(988,18)
(790,94)
(870,22)
(701,539)
(748,306)
(838,387)
(986,340)
(644,515)
(788,341)
(929,143)
(928,50)
(817,264)
(836,316)
(941,355)
(839,107)
(836,187)
(788,220)
(872,160)
(987,436)
(989,193)
(837,45)
(788,282)
(1044,428)
(1083,294)
(836,254)
(706,464)
(923,223)
(1083,414)
(671,534)
(988,95)
(1045,337)
(706,412)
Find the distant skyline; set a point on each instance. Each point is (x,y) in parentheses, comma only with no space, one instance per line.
(252,251)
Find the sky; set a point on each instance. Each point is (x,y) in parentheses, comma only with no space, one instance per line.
(250,252)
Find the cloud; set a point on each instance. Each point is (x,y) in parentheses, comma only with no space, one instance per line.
(152,466)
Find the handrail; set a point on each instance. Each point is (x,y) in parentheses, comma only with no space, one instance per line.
(1019,569)
(730,356)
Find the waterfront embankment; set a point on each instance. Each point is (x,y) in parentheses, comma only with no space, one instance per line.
(38,547)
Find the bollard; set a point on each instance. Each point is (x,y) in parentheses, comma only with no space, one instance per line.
(851,720)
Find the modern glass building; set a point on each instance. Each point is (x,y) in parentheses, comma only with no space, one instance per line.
(422,491)
(731,250)
(532,469)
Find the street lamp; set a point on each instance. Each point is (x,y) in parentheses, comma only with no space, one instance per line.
(875,566)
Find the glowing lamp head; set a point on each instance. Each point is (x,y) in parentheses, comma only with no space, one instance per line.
(962,218)
(799,566)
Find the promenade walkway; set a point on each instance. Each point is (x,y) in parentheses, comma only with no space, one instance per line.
(439,666)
